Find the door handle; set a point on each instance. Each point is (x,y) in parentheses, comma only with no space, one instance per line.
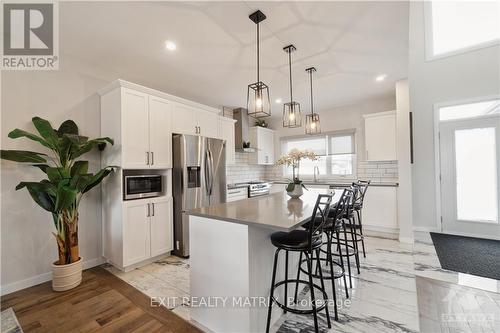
(152,159)
(153,205)
(149,212)
(147,158)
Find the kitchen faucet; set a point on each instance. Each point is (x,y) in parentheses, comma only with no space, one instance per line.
(316,173)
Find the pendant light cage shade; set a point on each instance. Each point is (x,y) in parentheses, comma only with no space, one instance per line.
(258,100)
(292,117)
(313,126)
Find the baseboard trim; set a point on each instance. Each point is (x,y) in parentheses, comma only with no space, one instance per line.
(425,229)
(41,278)
(406,240)
(377,231)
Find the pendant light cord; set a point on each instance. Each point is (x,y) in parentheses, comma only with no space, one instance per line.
(311,76)
(258,54)
(290,69)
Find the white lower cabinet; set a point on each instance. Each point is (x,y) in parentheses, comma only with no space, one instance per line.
(161,226)
(235,194)
(136,234)
(147,229)
(380,209)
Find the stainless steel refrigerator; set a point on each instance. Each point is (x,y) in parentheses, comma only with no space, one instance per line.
(198,179)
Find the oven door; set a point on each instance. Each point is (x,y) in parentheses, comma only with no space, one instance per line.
(143,186)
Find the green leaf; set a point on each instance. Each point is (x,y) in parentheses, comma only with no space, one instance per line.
(42,167)
(57,174)
(46,131)
(65,196)
(79,168)
(68,127)
(290,187)
(19,133)
(40,192)
(97,178)
(89,145)
(22,156)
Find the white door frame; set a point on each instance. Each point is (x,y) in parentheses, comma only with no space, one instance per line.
(437,153)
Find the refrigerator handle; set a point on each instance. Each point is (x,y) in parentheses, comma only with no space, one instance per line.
(211,171)
(207,172)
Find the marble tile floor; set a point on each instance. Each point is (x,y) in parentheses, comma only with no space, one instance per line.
(383,298)
(448,307)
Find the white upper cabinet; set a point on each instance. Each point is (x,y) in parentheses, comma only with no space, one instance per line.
(227,134)
(140,124)
(135,125)
(141,121)
(208,124)
(380,136)
(184,119)
(160,133)
(194,121)
(262,139)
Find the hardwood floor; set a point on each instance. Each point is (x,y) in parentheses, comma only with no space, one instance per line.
(102,303)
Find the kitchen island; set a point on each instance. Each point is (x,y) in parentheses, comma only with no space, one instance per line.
(232,258)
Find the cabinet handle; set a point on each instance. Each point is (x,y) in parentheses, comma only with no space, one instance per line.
(152,157)
(366,155)
(149,212)
(147,158)
(153,208)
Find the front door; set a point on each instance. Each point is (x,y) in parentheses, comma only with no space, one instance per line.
(469,171)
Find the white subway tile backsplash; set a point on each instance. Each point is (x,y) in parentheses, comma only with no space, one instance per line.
(242,171)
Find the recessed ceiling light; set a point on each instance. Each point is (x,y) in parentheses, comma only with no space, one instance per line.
(169,45)
(278,100)
(381,77)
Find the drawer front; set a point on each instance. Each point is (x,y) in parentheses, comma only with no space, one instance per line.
(237,194)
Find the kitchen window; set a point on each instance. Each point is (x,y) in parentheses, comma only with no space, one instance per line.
(335,151)
(453,27)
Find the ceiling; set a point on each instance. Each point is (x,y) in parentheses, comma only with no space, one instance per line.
(349,43)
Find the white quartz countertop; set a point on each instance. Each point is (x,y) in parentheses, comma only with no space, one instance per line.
(275,211)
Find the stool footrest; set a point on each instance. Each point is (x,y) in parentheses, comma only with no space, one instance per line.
(300,311)
(326,277)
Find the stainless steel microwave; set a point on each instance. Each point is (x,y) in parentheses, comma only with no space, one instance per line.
(142,186)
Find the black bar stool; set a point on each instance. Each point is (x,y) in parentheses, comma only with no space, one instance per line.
(358,208)
(332,228)
(342,238)
(306,242)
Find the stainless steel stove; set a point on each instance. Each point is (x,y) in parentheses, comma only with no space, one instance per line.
(258,188)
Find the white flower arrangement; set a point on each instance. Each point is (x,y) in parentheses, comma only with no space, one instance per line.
(293,159)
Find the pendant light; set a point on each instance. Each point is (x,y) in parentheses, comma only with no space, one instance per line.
(258,101)
(312,120)
(291,111)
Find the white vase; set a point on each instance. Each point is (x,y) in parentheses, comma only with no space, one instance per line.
(66,277)
(297,191)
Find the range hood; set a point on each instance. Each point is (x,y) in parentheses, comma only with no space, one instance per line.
(242,139)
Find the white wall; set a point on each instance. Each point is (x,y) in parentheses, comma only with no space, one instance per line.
(342,118)
(469,75)
(27,246)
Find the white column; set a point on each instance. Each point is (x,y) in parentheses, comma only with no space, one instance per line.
(404,162)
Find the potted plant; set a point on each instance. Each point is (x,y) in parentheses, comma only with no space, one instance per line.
(294,188)
(261,123)
(61,191)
